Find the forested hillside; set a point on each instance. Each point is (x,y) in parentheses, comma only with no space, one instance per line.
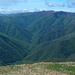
(37,36)
(11,50)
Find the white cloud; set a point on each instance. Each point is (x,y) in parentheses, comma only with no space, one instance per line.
(10,2)
(71,3)
(68,3)
(13,11)
(50,4)
(10,11)
(71,0)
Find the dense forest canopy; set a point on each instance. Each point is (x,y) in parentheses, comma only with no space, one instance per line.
(37,36)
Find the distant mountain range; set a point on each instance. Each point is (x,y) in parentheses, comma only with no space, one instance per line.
(37,36)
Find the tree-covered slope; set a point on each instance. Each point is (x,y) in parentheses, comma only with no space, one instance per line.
(11,50)
(15,31)
(62,48)
(46,34)
(59,27)
(53,26)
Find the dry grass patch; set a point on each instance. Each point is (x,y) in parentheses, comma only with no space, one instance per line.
(42,68)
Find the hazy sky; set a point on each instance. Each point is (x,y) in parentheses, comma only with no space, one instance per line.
(7,6)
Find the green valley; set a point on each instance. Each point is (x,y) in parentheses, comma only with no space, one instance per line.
(37,36)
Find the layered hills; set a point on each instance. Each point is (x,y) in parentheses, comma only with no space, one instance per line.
(37,36)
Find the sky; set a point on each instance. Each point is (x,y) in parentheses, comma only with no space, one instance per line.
(17,6)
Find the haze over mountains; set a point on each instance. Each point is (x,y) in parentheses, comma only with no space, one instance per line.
(37,36)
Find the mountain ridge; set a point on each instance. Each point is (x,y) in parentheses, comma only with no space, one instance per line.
(43,35)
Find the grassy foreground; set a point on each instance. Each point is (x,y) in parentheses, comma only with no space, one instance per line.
(41,68)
